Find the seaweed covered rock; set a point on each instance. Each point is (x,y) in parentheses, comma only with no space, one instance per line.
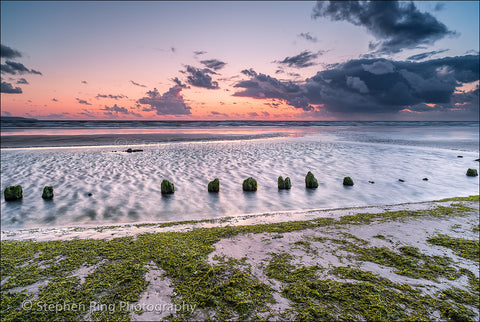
(167,187)
(310,181)
(284,184)
(13,193)
(347,181)
(249,184)
(214,186)
(472,172)
(288,183)
(47,192)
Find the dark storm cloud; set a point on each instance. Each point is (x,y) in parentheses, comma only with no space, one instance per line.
(169,103)
(398,25)
(7,52)
(214,64)
(115,97)
(115,110)
(200,78)
(22,81)
(80,101)
(367,86)
(7,88)
(307,36)
(262,86)
(137,84)
(426,55)
(302,60)
(14,68)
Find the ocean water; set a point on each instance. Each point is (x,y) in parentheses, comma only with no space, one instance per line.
(125,187)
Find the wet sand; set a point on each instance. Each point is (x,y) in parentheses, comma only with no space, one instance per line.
(125,230)
(30,141)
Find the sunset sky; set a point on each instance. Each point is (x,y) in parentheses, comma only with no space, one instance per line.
(240,60)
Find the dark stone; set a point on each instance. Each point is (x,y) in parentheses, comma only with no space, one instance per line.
(372,182)
(472,172)
(129,150)
(477,160)
(459,156)
(425,179)
(401,180)
(214,186)
(310,181)
(13,193)
(167,187)
(249,184)
(284,184)
(347,181)
(47,192)
(89,194)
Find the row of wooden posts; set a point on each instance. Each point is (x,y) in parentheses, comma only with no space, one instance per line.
(250,184)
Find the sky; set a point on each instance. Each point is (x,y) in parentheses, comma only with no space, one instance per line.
(240,60)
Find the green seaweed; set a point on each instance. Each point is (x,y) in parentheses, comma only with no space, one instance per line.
(369,298)
(226,289)
(465,248)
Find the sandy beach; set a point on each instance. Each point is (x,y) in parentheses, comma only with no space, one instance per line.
(417,260)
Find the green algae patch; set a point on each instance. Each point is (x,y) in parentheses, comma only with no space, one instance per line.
(470,198)
(280,268)
(465,248)
(369,297)
(462,296)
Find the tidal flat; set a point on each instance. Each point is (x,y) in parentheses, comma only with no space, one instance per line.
(415,261)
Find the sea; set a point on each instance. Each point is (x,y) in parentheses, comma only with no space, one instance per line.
(96,182)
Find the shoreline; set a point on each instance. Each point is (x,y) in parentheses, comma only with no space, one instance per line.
(109,231)
(406,261)
(128,139)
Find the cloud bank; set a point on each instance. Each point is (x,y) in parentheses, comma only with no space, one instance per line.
(374,86)
(168,103)
(397,25)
